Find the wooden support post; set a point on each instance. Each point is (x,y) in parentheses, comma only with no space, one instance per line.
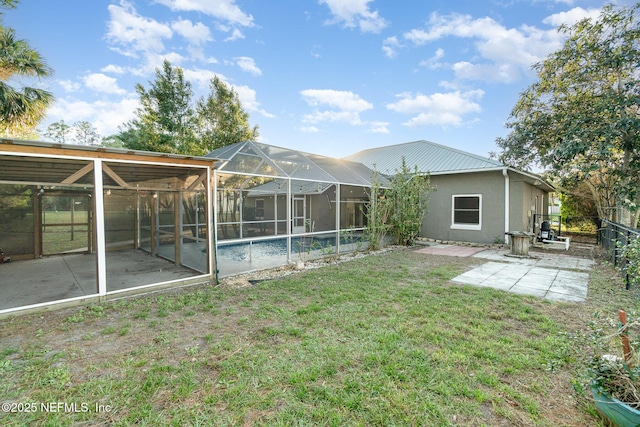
(624,337)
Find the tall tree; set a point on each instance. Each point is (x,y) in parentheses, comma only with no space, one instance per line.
(581,119)
(86,133)
(112,141)
(59,132)
(221,118)
(20,109)
(165,120)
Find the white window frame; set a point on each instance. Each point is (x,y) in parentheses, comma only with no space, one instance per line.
(459,226)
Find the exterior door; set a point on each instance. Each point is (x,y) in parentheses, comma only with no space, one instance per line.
(299,208)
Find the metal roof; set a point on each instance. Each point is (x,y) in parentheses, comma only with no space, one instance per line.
(428,156)
(261,159)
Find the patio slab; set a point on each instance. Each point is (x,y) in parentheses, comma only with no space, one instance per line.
(450,250)
(554,284)
(556,260)
(554,276)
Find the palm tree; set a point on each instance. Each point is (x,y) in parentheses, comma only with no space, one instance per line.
(20,109)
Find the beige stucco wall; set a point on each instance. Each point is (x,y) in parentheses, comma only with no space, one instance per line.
(526,200)
(438,221)
(491,187)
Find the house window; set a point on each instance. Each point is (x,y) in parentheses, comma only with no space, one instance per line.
(259,209)
(466,212)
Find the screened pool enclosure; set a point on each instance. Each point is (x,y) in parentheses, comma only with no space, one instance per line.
(274,206)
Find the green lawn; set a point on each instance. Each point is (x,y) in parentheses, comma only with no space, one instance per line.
(381,340)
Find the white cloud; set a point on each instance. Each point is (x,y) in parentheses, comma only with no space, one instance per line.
(226,10)
(494,73)
(196,34)
(350,117)
(134,33)
(69,86)
(114,69)
(309,129)
(236,34)
(390,46)
(434,62)
(504,49)
(247,97)
(343,100)
(196,53)
(379,127)
(154,60)
(110,116)
(105,116)
(102,83)
(444,109)
(346,106)
(248,64)
(200,78)
(355,13)
(571,17)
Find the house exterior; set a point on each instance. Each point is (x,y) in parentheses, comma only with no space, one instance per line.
(475,199)
(85,224)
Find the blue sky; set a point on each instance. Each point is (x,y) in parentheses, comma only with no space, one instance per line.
(331,77)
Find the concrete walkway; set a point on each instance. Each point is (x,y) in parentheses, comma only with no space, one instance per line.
(554,276)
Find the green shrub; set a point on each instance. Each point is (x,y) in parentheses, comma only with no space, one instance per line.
(398,210)
(631,253)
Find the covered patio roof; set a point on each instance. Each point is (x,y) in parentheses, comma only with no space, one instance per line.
(68,165)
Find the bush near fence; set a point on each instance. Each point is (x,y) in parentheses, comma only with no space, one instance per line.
(620,241)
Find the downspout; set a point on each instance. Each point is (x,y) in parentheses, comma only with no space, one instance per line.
(505,173)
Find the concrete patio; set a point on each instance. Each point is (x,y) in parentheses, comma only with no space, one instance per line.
(554,276)
(56,278)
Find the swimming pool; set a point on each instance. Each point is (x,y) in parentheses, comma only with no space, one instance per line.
(239,257)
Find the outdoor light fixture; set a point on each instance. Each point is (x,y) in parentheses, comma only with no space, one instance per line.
(108,193)
(155,195)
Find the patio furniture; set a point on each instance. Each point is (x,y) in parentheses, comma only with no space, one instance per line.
(519,242)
